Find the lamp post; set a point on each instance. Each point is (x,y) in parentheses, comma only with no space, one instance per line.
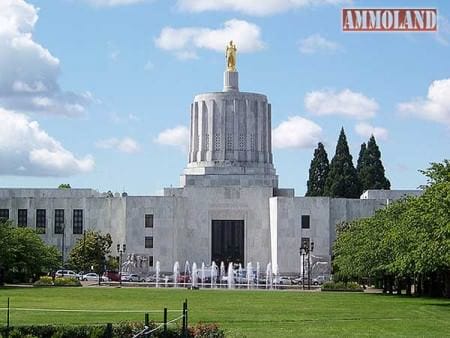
(305,250)
(121,250)
(302,262)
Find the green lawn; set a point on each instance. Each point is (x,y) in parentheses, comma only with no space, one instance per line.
(242,313)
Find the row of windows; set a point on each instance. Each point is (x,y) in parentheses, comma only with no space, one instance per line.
(41,220)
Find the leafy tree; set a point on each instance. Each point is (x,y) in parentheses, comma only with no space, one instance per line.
(90,251)
(64,186)
(318,172)
(23,254)
(437,173)
(370,168)
(342,180)
(406,243)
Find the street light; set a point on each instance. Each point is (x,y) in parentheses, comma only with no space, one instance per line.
(120,252)
(305,250)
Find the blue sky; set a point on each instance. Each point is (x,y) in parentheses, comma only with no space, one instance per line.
(96,93)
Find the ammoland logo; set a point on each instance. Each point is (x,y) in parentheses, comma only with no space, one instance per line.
(389,19)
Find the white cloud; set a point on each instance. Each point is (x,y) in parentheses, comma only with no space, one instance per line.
(113,3)
(178,136)
(435,107)
(185,42)
(296,132)
(29,72)
(125,145)
(366,130)
(317,43)
(252,7)
(27,150)
(345,103)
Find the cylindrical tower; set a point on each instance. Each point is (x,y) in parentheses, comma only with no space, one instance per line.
(230,138)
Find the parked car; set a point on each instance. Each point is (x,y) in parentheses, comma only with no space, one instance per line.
(113,275)
(280,280)
(92,276)
(304,281)
(132,277)
(183,278)
(66,273)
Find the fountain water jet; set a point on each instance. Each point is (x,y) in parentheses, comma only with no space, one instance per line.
(157,273)
(213,274)
(269,276)
(176,273)
(258,271)
(222,271)
(194,275)
(249,274)
(230,277)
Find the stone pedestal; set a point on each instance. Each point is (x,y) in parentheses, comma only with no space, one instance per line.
(230,81)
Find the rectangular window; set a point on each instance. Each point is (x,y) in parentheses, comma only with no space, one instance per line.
(305,221)
(149,221)
(59,221)
(148,242)
(4,214)
(150,261)
(22,218)
(77,222)
(41,220)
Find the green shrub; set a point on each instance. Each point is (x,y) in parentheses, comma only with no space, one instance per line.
(120,330)
(67,281)
(201,330)
(44,281)
(341,286)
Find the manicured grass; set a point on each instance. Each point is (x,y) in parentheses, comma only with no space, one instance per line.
(242,313)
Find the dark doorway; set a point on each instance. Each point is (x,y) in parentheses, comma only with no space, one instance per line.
(228,241)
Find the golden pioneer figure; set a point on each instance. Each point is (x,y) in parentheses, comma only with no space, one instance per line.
(230,54)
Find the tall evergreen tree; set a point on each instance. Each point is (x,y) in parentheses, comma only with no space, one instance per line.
(371,174)
(362,159)
(318,172)
(342,180)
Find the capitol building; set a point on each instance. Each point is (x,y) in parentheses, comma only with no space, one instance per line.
(227,208)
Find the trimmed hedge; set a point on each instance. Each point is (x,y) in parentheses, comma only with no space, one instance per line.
(121,330)
(341,286)
(66,281)
(44,281)
(60,281)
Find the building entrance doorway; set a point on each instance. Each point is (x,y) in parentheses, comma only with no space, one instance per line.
(227,241)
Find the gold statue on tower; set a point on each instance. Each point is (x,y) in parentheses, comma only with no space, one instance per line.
(230,55)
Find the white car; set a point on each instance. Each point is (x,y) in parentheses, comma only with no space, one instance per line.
(92,276)
(132,277)
(66,273)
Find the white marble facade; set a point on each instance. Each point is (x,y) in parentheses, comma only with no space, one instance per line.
(229,176)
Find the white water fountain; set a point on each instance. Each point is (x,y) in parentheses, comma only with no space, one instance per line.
(157,273)
(213,274)
(249,275)
(269,276)
(222,271)
(194,275)
(240,274)
(258,271)
(187,271)
(176,273)
(230,277)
